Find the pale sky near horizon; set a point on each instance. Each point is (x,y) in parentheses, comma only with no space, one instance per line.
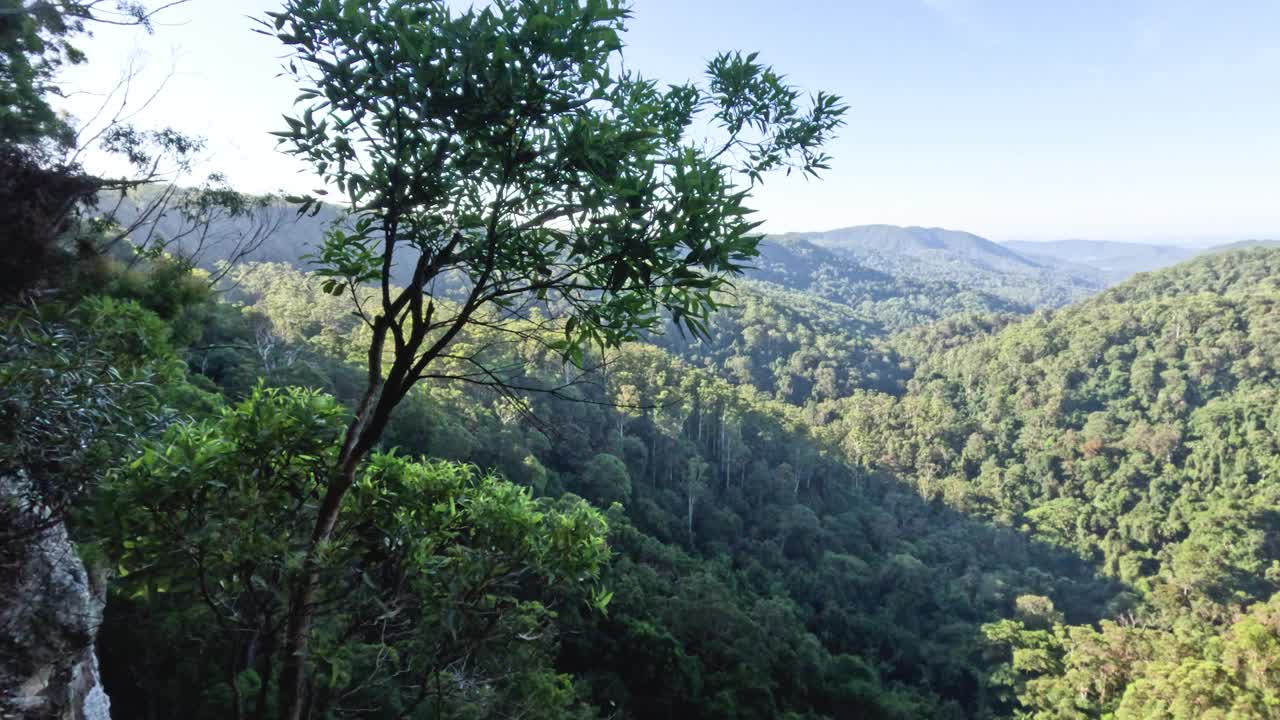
(1142,120)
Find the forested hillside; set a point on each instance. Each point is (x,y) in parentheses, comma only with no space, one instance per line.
(1113,463)
(526,419)
(1139,431)
(893,301)
(731,508)
(960,259)
(791,346)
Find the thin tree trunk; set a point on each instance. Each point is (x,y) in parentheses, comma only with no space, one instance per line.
(365,429)
(266,656)
(302,597)
(689,521)
(236,696)
(653,460)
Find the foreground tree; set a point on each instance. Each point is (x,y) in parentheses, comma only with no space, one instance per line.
(503,148)
(437,591)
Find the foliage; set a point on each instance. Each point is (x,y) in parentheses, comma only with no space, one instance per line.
(839,560)
(906,293)
(499,146)
(1129,672)
(848,487)
(533,171)
(429,585)
(76,389)
(35,43)
(1138,430)
(732,503)
(36,204)
(791,346)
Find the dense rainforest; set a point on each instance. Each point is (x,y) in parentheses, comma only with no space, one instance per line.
(551,432)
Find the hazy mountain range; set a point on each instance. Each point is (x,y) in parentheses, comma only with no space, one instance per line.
(1114,261)
(850,265)
(935,255)
(1036,274)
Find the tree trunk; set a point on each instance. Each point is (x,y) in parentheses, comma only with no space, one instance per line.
(302,596)
(380,398)
(266,655)
(690,518)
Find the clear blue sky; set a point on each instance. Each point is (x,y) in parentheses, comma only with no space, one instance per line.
(1152,120)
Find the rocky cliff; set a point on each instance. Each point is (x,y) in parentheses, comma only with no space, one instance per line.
(50,609)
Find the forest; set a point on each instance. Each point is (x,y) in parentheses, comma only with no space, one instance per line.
(524,418)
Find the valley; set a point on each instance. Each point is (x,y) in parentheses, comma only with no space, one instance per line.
(862,489)
(510,409)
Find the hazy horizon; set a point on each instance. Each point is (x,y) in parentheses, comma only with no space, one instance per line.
(1134,121)
(1186,243)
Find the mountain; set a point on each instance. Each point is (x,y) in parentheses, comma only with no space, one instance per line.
(934,244)
(970,262)
(757,572)
(1138,430)
(1091,484)
(1243,244)
(809,515)
(888,298)
(1113,261)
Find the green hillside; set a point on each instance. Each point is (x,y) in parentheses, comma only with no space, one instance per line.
(1139,431)
(518,416)
(960,259)
(879,555)
(758,570)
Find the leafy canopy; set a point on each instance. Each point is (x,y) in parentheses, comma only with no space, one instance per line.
(438,569)
(35,44)
(505,148)
(510,146)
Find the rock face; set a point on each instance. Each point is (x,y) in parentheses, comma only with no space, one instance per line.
(50,609)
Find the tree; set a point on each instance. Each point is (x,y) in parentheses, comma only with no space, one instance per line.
(437,584)
(695,487)
(501,146)
(43,186)
(35,43)
(605,479)
(75,388)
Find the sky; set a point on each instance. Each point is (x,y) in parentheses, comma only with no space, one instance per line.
(1135,120)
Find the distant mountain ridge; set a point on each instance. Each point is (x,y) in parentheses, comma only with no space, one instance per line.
(937,255)
(1113,261)
(955,245)
(894,277)
(1025,274)
(1243,244)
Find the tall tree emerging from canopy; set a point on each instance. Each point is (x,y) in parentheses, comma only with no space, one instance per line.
(510,147)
